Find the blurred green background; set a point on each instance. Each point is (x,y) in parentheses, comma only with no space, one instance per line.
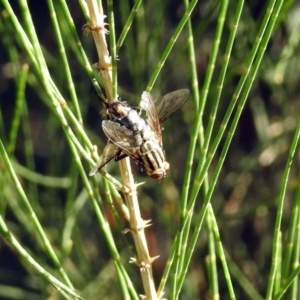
(245,197)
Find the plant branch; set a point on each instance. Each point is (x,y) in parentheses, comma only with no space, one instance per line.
(137,224)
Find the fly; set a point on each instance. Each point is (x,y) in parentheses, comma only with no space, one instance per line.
(130,135)
(130,118)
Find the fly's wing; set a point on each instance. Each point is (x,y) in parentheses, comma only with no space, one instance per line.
(152,119)
(119,135)
(110,151)
(169,103)
(122,138)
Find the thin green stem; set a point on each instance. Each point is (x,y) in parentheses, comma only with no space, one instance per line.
(279,263)
(211,261)
(220,84)
(260,52)
(113,49)
(171,43)
(49,181)
(197,131)
(293,276)
(33,216)
(221,253)
(129,45)
(195,86)
(128,23)
(64,59)
(80,49)
(291,239)
(56,283)
(241,279)
(100,217)
(258,46)
(277,231)
(294,289)
(169,264)
(18,110)
(71,218)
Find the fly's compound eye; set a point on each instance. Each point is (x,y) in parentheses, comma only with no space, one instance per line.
(161,173)
(158,174)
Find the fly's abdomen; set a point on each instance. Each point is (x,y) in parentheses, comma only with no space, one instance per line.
(154,160)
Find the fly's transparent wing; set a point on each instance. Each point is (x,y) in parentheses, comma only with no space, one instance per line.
(169,103)
(123,138)
(110,151)
(119,135)
(152,119)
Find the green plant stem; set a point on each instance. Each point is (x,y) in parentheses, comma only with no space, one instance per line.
(184,217)
(241,279)
(294,290)
(137,224)
(211,259)
(62,182)
(56,283)
(64,59)
(220,249)
(277,232)
(33,216)
(113,49)
(80,49)
(18,110)
(171,43)
(259,47)
(293,276)
(101,219)
(128,23)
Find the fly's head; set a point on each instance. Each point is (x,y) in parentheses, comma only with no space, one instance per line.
(119,109)
(115,110)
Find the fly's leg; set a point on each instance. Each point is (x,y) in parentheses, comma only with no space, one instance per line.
(119,156)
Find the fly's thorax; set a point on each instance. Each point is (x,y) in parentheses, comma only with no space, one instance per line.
(154,159)
(136,122)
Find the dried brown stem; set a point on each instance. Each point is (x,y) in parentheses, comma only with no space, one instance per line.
(137,224)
